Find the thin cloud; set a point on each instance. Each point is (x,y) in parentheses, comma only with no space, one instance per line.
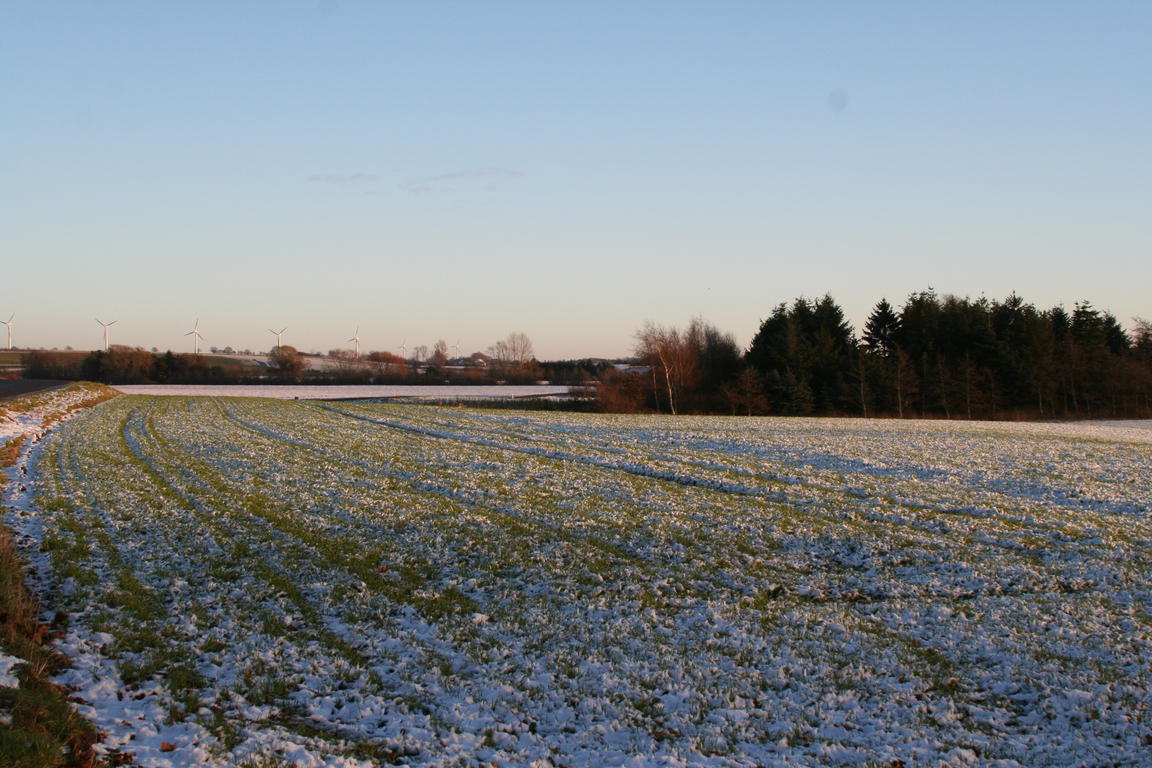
(342,178)
(489,177)
(478,173)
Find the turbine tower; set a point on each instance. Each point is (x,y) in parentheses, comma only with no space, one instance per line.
(105,331)
(456,347)
(278,334)
(196,334)
(9,323)
(403,349)
(356,340)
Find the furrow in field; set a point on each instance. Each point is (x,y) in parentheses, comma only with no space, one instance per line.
(922,530)
(803,465)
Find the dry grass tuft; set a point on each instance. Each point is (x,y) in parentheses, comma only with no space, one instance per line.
(10,450)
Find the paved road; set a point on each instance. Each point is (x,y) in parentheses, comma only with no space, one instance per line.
(14,387)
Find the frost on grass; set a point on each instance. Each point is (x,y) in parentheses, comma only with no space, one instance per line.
(353,584)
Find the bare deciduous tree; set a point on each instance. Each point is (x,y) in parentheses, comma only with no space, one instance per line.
(514,350)
(673,357)
(347,362)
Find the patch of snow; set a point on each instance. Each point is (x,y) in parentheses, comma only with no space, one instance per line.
(8,677)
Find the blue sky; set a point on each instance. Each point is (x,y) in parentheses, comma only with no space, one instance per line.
(461,170)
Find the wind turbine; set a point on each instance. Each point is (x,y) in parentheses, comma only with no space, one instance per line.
(9,323)
(356,339)
(195,333)
(105,331)
(403,349)
(278,334)
(456,348)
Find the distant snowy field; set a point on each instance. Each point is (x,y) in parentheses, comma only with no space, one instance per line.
(1123,423)
(293,392)
(256,582)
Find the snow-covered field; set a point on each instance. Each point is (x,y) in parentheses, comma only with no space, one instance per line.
(344,391)
(267,582)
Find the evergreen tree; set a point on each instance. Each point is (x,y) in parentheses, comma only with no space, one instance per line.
(880,365)
(881,329)
(807,356)
(917,337)
(952,357)
(832,366)
(966,352)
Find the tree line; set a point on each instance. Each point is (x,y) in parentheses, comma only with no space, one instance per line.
(934,356)
(121,364)
(509,361)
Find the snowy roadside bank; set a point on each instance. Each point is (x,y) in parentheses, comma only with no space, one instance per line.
(38,724)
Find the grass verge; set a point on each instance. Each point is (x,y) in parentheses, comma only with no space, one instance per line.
(38,726)
(41,729)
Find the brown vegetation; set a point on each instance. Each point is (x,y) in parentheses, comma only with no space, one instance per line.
(45,731)
(621,392)
(287,362)
(10,450)
(694,370)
